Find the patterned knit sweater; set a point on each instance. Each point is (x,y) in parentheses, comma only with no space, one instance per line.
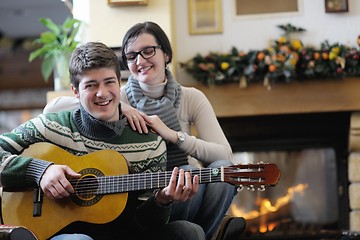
(144,152)
(79,135)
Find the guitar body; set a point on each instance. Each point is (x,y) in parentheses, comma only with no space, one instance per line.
(17,207)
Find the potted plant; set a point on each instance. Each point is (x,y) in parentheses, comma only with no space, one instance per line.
(55,48)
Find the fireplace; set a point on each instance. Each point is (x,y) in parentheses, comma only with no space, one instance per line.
(301,115)
(311,150)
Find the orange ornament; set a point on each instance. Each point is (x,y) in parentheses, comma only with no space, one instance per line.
(325,55)
(272,68)
(242,54)
(260,56)
(281,58)
(316,55)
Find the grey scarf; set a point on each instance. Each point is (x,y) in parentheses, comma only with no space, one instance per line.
(165,107)
(96,129)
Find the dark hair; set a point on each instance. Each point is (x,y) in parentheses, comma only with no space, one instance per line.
(92,55)
(151,28)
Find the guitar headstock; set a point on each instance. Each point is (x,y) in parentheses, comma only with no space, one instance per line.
(256,175)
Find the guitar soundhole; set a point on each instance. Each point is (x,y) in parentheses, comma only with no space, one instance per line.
(86,188)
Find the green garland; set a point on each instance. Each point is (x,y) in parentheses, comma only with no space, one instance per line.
(285,61)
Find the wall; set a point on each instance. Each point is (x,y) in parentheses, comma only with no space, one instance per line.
(257,32)
(108,24)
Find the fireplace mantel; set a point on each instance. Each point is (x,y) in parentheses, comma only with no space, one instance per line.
(229,100)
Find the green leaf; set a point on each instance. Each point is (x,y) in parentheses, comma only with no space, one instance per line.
(73,46)
(71,38)
(68,23)
(35,54)
(50,25)
(48,37)
(47,67)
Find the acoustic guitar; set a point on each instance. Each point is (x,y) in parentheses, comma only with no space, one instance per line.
(101,192)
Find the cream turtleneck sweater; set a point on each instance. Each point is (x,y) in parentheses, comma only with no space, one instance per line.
(153,91)
(206,142)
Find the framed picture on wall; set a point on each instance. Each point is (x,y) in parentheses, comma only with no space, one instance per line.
(267,8)
(205,16)
(127,2)
(333,6)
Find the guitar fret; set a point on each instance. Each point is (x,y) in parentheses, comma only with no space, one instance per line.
(138,183)
(139,177)
(103,185)
(103,189)
(111,183)
(158,179)
(200,176)
(125,185)
(122,183)
(163,180)
(97,190)
(144,181)
(108,184)
(133,183)
(210,175)
(151,185)
(115,184)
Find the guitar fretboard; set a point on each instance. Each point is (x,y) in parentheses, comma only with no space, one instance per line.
(138,181)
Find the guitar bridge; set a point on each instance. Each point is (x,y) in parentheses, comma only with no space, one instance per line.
(38,197)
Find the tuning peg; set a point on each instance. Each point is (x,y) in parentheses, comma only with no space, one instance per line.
(251,188)
(261,188)
(240,188)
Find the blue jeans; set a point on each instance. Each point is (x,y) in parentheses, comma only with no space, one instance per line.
(210,204)
(71,237)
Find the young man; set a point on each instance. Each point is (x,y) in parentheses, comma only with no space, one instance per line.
(96,125)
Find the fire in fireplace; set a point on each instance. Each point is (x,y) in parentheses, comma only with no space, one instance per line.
(311,199)
(303,202)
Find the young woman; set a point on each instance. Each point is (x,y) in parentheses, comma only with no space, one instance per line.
(156,100)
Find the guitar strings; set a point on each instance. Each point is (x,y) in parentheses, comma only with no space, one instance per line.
(141,181)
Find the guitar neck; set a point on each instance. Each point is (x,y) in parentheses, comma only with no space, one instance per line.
(143,181)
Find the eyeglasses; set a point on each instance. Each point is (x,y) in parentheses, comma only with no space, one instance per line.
(146,53)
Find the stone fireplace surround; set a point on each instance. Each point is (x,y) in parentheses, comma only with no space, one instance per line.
(316,113)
